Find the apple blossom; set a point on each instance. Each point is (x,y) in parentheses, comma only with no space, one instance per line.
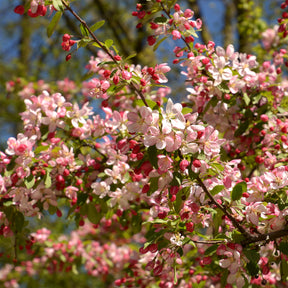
(197,185)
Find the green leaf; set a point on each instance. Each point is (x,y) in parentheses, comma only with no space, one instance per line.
(153,105)
(96,45)
(218,167)
(177,179)
(84,42)
(84,30)
(74,269)
(8,203)
(82,198)
(175,271)
(252,255)
(283,247)
(161,19)
(192,32)
(246,99)
(217,189)
(6,244)
(237,236)
(136,223)
(108,43)
(178,203)
(47,180)
(217,220)
(83,210)
(62,258)
(58,5)
(238,190)
(186,110)
(93,215)
(157,44)
(211,250)
(152,155)
(41,148)
(192,174)
(29,181)
(97,25)
(153,185)
(252,268)
(242,128)
(52,25)
(130,56)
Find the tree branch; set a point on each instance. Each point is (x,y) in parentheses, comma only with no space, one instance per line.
(265,237)
(233,220)
(131,85)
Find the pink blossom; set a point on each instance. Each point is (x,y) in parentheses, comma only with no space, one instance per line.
(140,123)
(164,163)
(160,70)
(270,38)
(173,117)
(21,146)
(219,71)
(254,212)
(41,235)
(100,188)
(71,192)
(176,34)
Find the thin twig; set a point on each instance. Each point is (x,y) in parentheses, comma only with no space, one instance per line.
(131,85)
(208,241)
(233,220)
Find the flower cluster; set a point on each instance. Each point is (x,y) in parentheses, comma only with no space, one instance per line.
(193,193)
(37,8)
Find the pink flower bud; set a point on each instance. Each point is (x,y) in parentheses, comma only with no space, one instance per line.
(177,7)
(264,118)
(126,75)
(189,226)
(176,34)
(197,163)
(19,9)
(151,40)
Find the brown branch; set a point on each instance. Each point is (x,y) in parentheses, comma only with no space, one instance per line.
(222,208)
(131,85)
(249,239)
(265,237)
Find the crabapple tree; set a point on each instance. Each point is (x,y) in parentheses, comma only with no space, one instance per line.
(161,194)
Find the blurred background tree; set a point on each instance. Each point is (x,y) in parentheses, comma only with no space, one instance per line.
(28,55)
